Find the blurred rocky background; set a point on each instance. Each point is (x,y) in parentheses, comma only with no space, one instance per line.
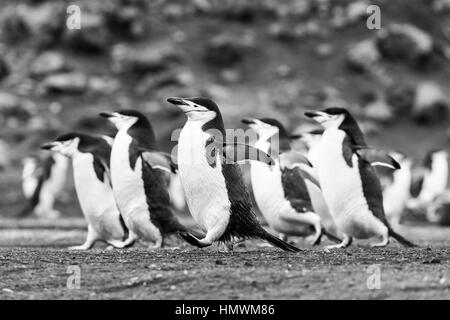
(254,57)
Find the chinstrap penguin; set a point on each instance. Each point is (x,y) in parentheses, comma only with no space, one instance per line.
(43,180)
(348,181)
(90,160)
(280,191)
(140,177)
(214,187)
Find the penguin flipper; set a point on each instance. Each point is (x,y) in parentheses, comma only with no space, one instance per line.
(309,175)
(173,164)
(156,160)
(377,157)
(238,152)
(277,242)
(293,159)
(101,168)
(109,140)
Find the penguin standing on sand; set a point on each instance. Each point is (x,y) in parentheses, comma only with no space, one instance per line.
(349,183)
(432,179)
(43,179)
(280,191)
(139,176)
(90,159)
(214,187)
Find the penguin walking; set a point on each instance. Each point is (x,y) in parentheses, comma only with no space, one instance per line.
(139,176)
(349,183)
(432,180)
(43,180)
(396,191)
(214,187)
(90,160)
(280,191)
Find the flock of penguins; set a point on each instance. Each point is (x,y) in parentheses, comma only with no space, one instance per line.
(126,186)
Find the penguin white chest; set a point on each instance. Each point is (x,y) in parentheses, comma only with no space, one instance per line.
(58,173)
(435,182)
(268,190)
(342,187)
(396,194)
(204,185)
(29,180)
(128,185)
(96,198)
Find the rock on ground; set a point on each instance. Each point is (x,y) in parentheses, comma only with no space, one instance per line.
(430,103)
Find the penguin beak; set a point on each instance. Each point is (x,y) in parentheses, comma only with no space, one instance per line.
(314,114)
(48,146)
(177,101)
(318,116)
(248,121)
(106,114)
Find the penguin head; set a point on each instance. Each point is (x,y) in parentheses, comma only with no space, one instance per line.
(197,109)
(330,117)
(66,144)
(266,127)
(126,118)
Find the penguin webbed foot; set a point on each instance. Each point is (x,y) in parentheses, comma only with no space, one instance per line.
(344,244)
(130,241)
(157,245)
(82,247)
(383,243)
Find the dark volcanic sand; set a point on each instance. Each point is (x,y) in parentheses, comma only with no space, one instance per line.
(34,264)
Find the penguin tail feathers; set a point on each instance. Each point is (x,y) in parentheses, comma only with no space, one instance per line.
(401,239)
(191,239)
(331,236)
(278,242)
